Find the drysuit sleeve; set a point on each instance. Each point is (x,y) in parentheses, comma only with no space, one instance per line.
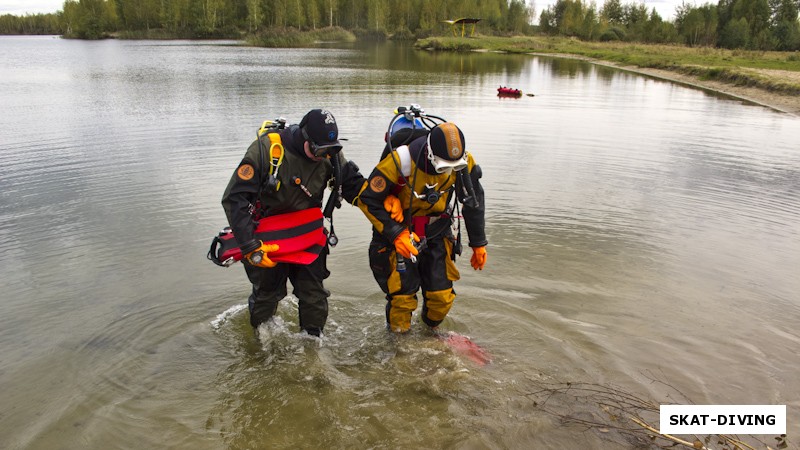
(240,196)
(474,216)
(352,180)
(381,183)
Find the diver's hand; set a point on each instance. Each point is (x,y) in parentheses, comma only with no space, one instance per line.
(478,259)
(259,257)
(403,244)
(394,208)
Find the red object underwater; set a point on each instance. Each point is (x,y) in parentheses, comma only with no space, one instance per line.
(464,346)
(503,91)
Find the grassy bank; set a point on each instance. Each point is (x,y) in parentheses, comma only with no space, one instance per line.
(163,34)
(292,37)
(738,67)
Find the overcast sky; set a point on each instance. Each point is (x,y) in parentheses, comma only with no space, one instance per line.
(666,8)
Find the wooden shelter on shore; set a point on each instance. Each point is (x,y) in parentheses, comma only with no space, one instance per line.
(463,22)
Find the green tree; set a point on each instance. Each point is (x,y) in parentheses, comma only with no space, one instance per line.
(613,12)
(635,18)
(658,31)
(784,26)
(565,17)
(589,26)
(89,19)
(212,13)
(313,14)
(735,34)
(253,15)
(30,24)
(787,36)
(331,6)
(139,14)
(377,15)
(295,16)
(757,13)
(697,26)
(428,14)
(519,16)
(490,15)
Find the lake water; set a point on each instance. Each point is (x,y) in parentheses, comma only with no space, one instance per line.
(644,241)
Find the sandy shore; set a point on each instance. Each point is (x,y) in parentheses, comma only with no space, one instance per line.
(789,104)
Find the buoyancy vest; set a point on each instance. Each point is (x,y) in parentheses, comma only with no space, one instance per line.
(299,236)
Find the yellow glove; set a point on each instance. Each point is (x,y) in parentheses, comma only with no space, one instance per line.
(403,245)
(394,208)
(259,258)
(478,259)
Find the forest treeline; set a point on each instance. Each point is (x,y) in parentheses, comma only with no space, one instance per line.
(748,24)
(233,18)
(732,24)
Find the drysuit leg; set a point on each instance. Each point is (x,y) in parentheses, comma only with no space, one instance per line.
(312,296)
(437,272)
(269,287)
(400,287)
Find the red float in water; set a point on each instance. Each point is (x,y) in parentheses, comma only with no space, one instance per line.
(503,91)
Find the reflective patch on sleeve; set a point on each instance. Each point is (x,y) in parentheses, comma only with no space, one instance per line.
(245,172)
(377,184)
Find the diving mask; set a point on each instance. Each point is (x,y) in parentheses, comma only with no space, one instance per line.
(442,165)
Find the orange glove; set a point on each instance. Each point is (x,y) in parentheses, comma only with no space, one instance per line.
(478,259)
(403,245)
(394,208)
(259,258)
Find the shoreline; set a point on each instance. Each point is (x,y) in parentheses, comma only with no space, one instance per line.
(787,104)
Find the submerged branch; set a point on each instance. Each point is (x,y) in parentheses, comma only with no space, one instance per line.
(606,408)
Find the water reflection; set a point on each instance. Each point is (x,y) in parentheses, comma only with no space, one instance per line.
(402,56)
(570,67)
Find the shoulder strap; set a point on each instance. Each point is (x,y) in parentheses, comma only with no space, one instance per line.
(276,152)
(404,154)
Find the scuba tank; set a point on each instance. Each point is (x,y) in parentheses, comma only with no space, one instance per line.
(408,123)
